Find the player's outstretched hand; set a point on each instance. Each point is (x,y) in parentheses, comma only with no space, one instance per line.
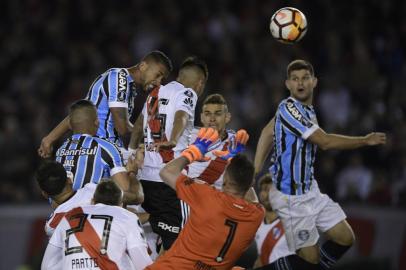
(164,146)
(197,150)
(375,138)
(45,149)
(236,145)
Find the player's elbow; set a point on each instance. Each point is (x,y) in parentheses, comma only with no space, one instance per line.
(123,129)
(164,174)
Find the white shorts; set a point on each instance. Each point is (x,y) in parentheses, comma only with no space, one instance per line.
(303,215)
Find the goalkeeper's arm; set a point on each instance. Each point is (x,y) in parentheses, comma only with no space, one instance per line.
(170,173)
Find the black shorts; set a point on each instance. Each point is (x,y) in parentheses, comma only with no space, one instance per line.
(165,210)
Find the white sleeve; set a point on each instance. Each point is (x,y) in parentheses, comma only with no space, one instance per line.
(52,258)
(139,257)
(186,101)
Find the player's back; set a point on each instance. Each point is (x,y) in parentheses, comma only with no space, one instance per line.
(113,88)
(89,159)
(216,234)
(82,197)
(158,125)
(97,237)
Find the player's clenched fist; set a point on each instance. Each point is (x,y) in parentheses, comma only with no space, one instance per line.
(375,138)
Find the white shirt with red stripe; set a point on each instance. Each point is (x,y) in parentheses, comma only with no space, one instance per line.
(100,237)
(271,242)
(172,97)
(211,171)
(82,197)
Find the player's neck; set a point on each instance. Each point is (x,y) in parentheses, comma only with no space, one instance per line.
(84,130)
(232,192)
(135,74)
(64,196)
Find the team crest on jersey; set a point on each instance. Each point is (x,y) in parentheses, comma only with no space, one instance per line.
(303,235)
(122,85)
(188,101)
(276,232)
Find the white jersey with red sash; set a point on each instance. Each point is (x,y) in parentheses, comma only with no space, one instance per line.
(211,171)
(98,237)
(159,115)
(82,197)
(271,242)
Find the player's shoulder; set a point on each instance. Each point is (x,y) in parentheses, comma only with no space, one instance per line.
(117,70)
(106,143)
(179,89)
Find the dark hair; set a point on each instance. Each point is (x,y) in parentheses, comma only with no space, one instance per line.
(107,192)
(298,65)
(51,177)
(241,172)
(264,180)
(215,99)
(82,103)
(159,57)
(194,61)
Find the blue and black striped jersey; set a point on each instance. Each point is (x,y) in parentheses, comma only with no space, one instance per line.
(89,159)
(293,156)
(113,88)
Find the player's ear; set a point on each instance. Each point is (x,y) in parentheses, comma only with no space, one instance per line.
(287,84)
(315,81)
(228,117)
(143,66)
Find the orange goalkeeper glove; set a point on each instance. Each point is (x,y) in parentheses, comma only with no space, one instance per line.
(197,150)
(236,145)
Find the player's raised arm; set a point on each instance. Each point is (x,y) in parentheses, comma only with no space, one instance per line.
(45,149)
(121,122)
(340,142)
(136,133)
(179,125)
(264,145)
(195,152)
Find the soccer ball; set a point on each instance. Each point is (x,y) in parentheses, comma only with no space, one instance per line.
(288,25)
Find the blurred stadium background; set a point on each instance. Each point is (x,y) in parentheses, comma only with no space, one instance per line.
(51,51)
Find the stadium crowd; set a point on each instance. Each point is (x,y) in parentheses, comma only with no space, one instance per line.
(50,53)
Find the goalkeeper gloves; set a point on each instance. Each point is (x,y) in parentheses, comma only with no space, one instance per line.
(236,145)
(197,150)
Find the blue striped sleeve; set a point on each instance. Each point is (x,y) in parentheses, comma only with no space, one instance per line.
(117,88)
(295,121)
(112,157)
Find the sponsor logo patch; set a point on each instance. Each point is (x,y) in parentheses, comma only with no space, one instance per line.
(122,85)
(188,101)
(169,228)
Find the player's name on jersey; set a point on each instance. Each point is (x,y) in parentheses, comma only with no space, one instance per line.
(85,263)
(77,152)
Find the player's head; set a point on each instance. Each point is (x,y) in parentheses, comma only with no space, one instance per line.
(265,183)
(215,113)
(107,192)
(239,175)
(52,179)
(301,80)
(154,67)
(83,117)
(193,73)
